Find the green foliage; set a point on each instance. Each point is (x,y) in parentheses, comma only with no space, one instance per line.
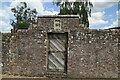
(22,25)
(83,9)
(24,16)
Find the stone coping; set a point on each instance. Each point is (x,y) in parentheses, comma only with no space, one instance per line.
(59,16)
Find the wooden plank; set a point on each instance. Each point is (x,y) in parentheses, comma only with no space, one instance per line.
(55,62)
(57,49)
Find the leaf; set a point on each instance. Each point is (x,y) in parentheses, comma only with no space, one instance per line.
(23,14)
(77,7)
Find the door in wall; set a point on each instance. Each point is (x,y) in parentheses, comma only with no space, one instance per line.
(57,52)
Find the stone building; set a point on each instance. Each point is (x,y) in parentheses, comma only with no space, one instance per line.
(58,46)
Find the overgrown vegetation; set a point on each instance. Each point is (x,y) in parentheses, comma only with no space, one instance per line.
(24,16)
(83,9)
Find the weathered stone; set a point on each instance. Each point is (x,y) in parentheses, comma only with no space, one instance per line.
(91,53)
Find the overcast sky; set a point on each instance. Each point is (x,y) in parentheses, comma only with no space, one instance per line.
(104,13)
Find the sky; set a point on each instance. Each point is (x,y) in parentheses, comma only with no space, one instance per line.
(105,13)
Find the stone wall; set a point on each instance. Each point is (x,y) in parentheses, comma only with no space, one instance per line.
(91,53)
(0,56)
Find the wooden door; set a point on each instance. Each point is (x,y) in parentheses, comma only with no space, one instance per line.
(57,52)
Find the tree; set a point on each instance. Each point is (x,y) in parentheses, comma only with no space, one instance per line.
(83,9)
(24,16)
